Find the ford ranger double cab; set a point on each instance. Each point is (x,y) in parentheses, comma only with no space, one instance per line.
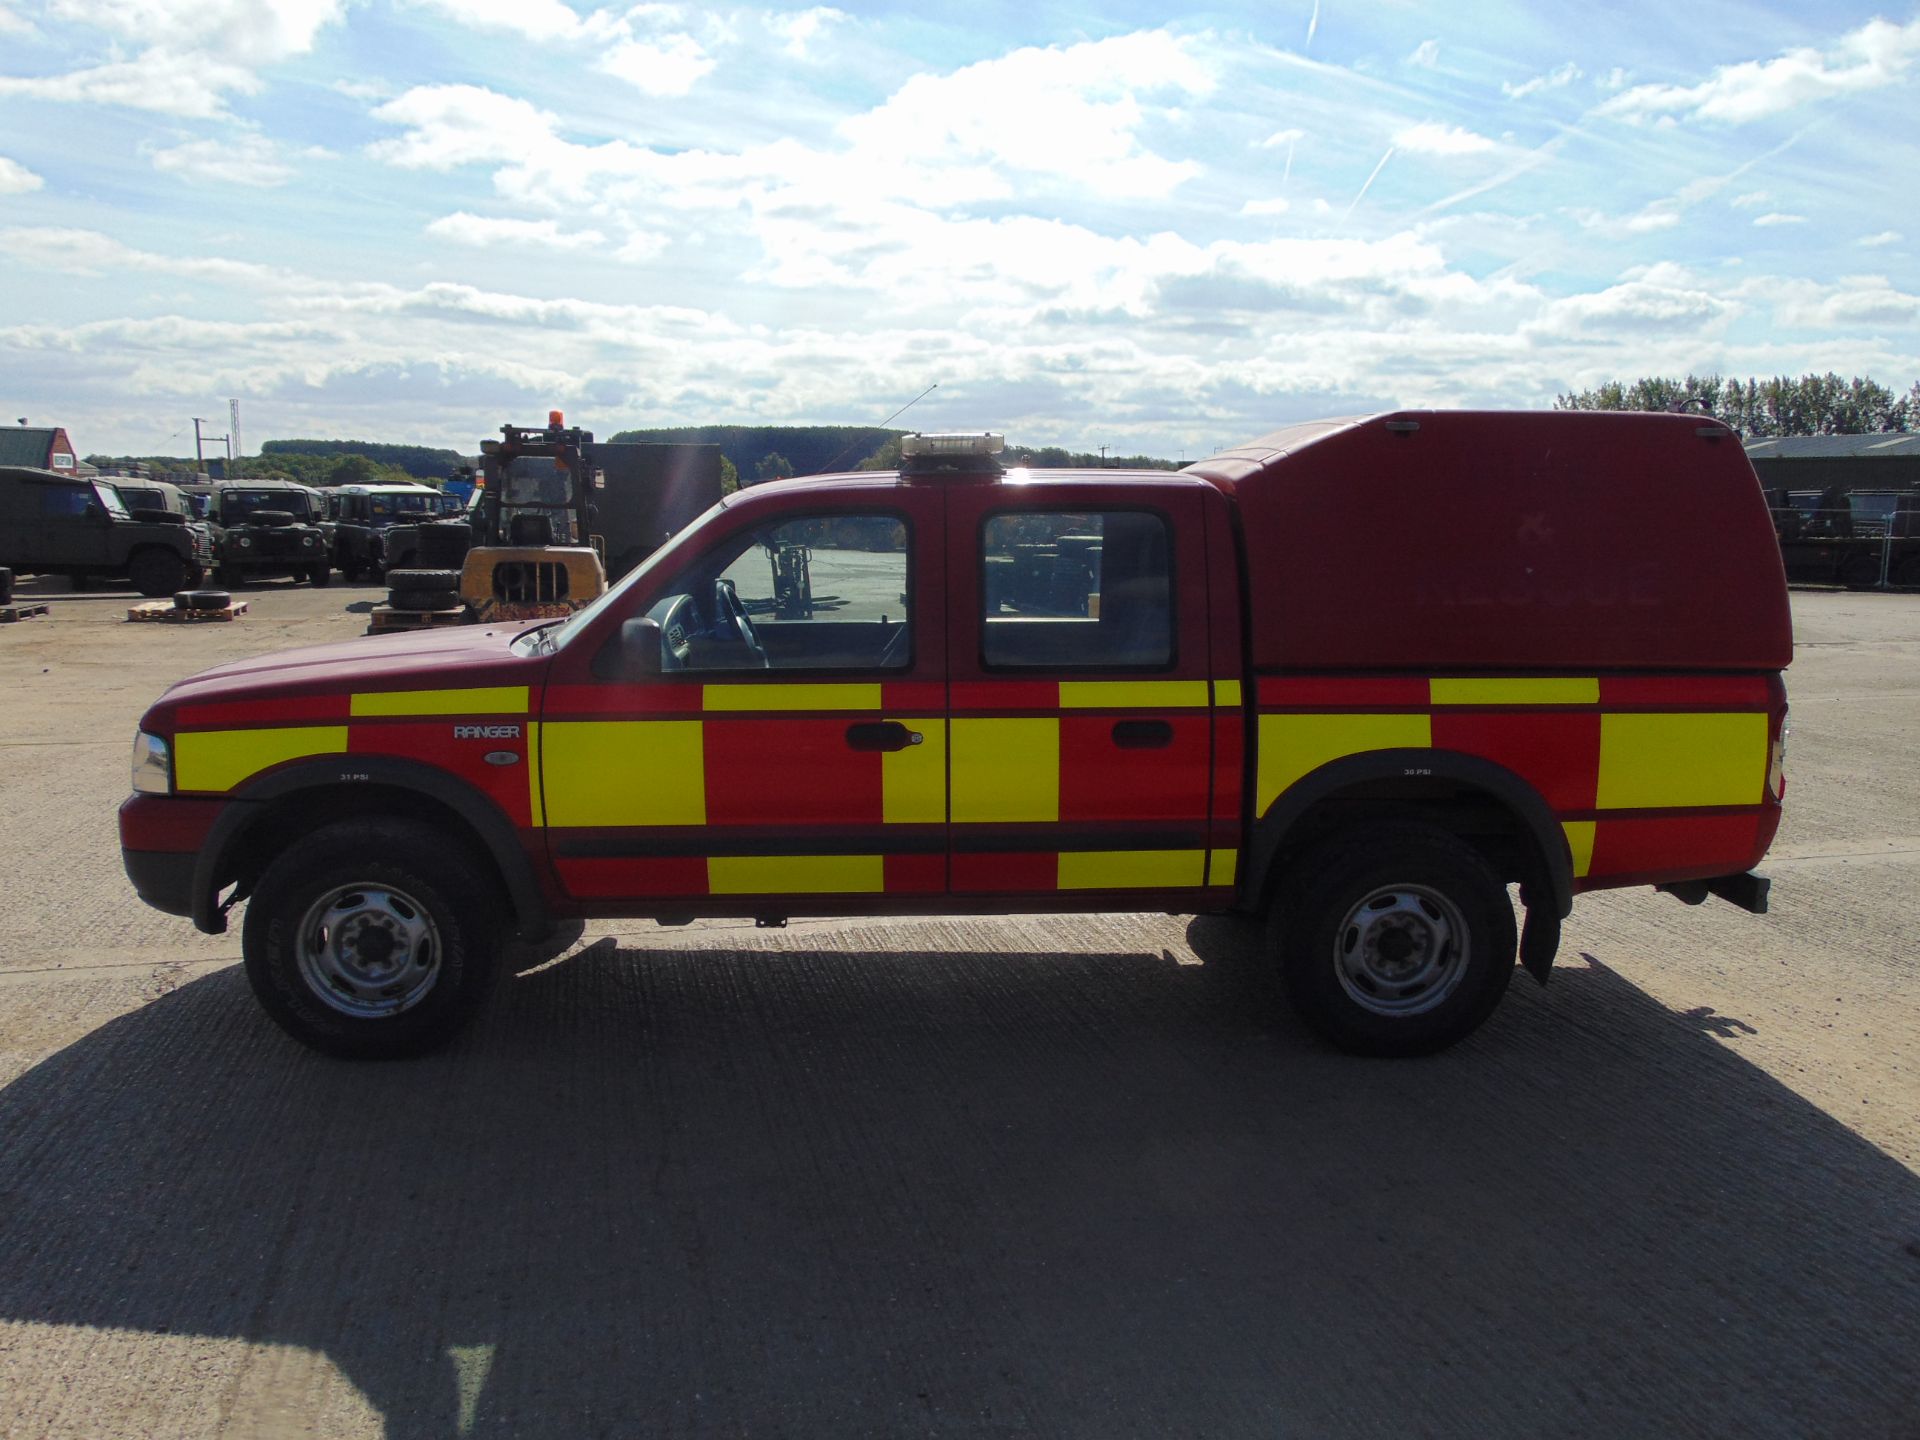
(1358,677)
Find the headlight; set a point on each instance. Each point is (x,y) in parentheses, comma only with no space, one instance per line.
(152,765)
(245,541)
(306,540)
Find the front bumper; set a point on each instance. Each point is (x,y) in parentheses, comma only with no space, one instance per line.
(162,878)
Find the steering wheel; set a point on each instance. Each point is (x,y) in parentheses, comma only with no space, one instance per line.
(730,614)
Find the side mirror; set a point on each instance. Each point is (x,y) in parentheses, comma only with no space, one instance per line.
(634,653)
(95,511)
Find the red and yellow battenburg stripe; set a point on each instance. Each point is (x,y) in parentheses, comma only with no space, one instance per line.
(1645,773)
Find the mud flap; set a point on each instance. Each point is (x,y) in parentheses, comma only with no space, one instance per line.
(1540,940)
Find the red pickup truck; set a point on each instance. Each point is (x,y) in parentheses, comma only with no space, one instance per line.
(1359,677)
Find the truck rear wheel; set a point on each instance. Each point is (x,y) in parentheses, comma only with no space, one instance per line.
(158,572)
(377,939)
(1396,940)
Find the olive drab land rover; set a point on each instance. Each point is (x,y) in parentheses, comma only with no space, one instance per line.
(270,528)
(1357,677)
(58,524)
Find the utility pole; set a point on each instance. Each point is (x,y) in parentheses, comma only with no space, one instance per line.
(200,447)
(1103,457)
(233,429)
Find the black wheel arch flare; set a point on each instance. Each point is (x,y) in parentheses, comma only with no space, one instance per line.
(1553,861)
(335,776)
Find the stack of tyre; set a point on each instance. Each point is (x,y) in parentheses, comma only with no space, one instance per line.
(6,587)
(435,584)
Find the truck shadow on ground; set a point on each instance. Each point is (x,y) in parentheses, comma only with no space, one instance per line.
(804,1189)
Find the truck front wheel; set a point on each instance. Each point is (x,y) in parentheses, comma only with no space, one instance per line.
(376,939)
(1397,940)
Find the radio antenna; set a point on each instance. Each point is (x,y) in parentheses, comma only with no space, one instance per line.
(828,468)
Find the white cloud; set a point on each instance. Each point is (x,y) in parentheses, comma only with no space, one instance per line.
(1885,237)
(1282,137)
(16,179)
(1778,218)
(196,51)
(1658,216)
(12,24)
(1877,54)
(1426,54)
(246,32)
(1429,138)
(480,231)
(1852,301)
(801,27)
(1655,299)
(164,83)
(665,65)
(645,45)
(239,160)
(535,19)
(1275,206)
(1070,113)
(1752,200)
(1555,79)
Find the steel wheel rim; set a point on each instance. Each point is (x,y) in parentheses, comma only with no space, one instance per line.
(1401,950)
(368,951)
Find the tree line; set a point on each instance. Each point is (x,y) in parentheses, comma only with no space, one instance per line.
(1765,409)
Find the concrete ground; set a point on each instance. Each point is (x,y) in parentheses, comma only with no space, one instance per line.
(1045,1176)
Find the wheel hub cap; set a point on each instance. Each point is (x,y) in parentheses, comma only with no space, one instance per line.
(368,951)
(1401,950)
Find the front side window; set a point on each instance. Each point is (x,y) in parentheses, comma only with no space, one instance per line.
(1088,591)
(825,592)
(109,499)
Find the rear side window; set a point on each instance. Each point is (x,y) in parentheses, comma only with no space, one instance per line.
(1086,591)
(64,499)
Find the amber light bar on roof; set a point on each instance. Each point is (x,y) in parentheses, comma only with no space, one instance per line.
(985,443)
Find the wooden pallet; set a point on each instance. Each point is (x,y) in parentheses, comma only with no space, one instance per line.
(22,611)
(383,618)
(168,613)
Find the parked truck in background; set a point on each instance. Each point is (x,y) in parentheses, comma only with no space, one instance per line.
(268,528)
(1857,538)
(1355,678)
(58,524)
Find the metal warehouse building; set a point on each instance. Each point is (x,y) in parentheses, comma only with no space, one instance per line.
(1850,462)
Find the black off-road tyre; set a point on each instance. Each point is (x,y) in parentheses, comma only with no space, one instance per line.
(202,600)
(320,575)
(148,515)
(371,863)
(444,543)
(1906,571)
(423,579)
(158,572)
(424,600)
(1345,903)
(6,586)
(272,519)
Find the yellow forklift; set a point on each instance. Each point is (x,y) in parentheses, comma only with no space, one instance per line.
(534,555)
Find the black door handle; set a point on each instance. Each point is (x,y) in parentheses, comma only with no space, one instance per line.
(880,735)
(1142,734)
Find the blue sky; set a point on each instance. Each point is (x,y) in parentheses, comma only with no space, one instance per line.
(419,219)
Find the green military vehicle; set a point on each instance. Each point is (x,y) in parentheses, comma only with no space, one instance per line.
(55,524)
(270,527)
